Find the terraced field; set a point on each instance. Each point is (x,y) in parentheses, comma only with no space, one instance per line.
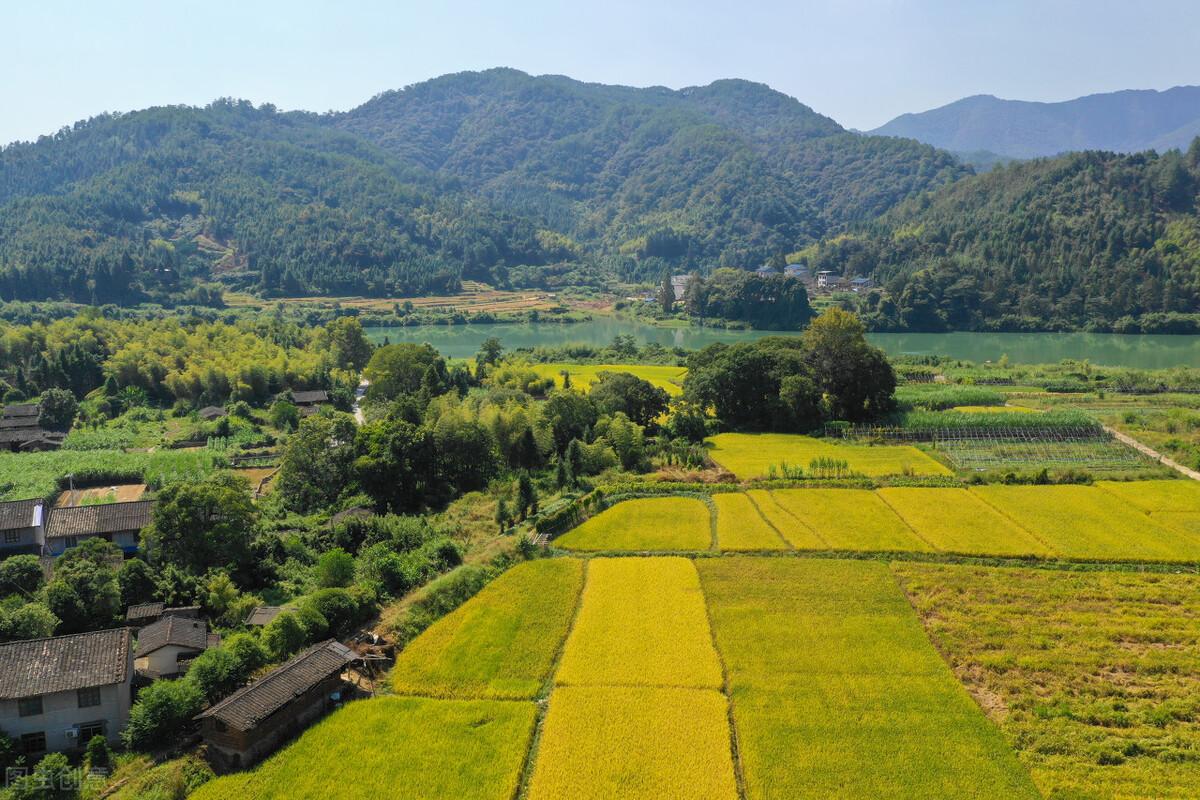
(751,455)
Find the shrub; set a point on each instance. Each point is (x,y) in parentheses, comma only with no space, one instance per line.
(335,568)
(162,711)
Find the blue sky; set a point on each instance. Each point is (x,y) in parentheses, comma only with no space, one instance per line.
(861,62)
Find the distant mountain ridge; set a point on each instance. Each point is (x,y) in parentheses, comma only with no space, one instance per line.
(1124,122)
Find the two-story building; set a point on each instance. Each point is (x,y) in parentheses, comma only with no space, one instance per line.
(58,693)
(21,529)
(121,523)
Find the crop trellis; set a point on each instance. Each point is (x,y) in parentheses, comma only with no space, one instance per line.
(986,448)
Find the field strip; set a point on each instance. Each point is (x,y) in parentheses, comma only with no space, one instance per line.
(850,519)
(786,544)
(957,521)
(837,692)
(883,498)
(740,526)
(665,524)
(790,527)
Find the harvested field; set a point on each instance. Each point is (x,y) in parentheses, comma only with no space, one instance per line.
(838,693)
(957,521)
(502,643)
(741,527)
(642,623)
(1093,676)
(1088,522)
(657,523)
(468,750)
(751,455)
(625,742)
(123,493)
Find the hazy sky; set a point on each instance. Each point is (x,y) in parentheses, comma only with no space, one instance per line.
(860,62)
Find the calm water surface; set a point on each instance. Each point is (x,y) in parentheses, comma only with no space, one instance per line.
(1145,351)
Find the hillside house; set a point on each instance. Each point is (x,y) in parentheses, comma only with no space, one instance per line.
(795,271)
(121,523)
(162,645)
(210,413)
(261,615)
(309,402)
(679,284)
(255,720)
(765,271)
(827,279)
(147,613)
(57,693)
(860,284)
(21,432)
(21,529)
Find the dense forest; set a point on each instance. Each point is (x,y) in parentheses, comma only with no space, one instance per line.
(1089,240)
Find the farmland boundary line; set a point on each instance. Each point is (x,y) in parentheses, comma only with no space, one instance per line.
(714,538)
(788,545)
(735,750)
(1049,548)
(907,524)
(816,534)
(542,701)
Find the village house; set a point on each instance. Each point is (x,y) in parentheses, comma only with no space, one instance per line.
(827,279)
(261,615)
(58,693)
(165,647)
(255,720)
(121,523)
(764,271)
(795,271)
(21,431)
(21,528)
(859,284)
(147,613)
(209,413)
(309,402)
(679,284)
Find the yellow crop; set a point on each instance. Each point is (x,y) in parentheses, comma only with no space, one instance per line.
(797,534)
(741,527)
(956,521)
(658,523)
(849,519)
(750,455)
(1179,495)
(502,642)
(667,378)
(642,623)
(623,742)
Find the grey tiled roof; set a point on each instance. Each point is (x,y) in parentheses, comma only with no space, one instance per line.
(311,396)
(18,514)
(248,706)
(262,615)
(22,410)
(63,663)
(180,631)
(105,518)
(144,611)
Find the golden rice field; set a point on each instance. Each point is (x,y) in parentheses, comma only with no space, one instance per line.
(503,643)
(798,536)
(395,746)
(657,523)
(751,455)
(849,519)
(1089,522)
(606,742)
(957,521)
(642,622)
(741,527)
(1152,496)
(1093,676)
(837,692)
(667,378)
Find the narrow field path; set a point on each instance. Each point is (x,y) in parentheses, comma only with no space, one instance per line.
(1150,451)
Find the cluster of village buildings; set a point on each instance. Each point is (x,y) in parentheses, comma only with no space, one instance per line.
(57,693)
(821,282)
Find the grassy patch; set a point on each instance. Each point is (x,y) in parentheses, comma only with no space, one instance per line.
(956,521)
(657,523)
(838,693)
(849,519)
(1087,522)
(667,378)
(1093,676)
(622,742)
(500,643)
(1157,495)
(741,527)
(993,410)
(27,475)
(393,746)
(750,455)
(642,623)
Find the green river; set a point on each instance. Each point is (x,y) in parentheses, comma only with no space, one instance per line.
(1144,351)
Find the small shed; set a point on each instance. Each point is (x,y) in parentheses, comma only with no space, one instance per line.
(261,615)
(253,721)
(209,413)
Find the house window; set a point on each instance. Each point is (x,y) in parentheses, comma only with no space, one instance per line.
(88,730)
(33,743)
(12,537)
(89,697)
(29,706)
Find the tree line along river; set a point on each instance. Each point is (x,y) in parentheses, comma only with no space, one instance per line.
(1146,351)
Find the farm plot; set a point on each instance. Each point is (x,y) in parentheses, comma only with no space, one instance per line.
(642,623)
(502,643)
(626,742)
(1087,522)
(751,455)
(956,521)
(1152,496)
(797,535)
(667,378)
(837,692)
(376,748)
(741,527)
(982,450)
(849,519)
(1092,675)
(657,523)
(29,475)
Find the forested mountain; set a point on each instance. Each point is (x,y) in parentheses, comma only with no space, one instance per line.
(726,174)
(1125,122)
(1089,240)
